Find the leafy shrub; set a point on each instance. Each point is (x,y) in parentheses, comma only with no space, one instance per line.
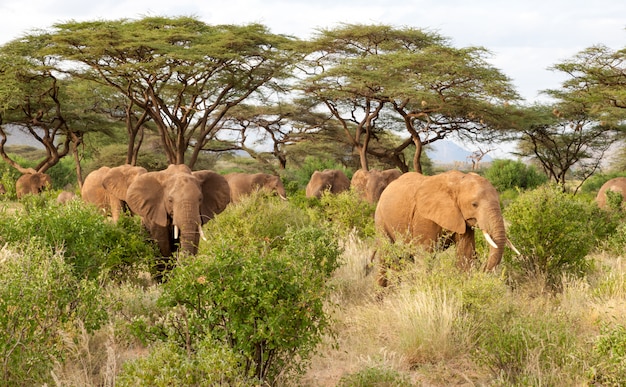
(87,240)
(170,365)
(610,352)
(257,288)
(39,298)
(346,211)
(511,174)
(375,376)
(554,231)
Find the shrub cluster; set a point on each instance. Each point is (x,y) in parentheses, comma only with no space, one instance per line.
(88,242)
(257,289)
(512,174)
(554,231)
(40,298)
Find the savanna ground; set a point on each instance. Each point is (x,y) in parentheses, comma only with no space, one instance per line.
(75,317)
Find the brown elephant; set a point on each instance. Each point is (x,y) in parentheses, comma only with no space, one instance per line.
(65,197)
(107,187)
(370,184)
(242,184)
(177,199)
(423,209)
(32,183)
(617,184)
(332,180)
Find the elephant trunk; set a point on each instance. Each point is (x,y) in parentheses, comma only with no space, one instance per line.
(188,223)
(495,231)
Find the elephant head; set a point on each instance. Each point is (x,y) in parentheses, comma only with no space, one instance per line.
(370,184)
(617,184)
(177,199)
(332,180)
(107,187)
(424,208)
(32,183)
(242,184)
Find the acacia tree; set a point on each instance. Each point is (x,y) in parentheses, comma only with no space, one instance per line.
(586,119)
(186,75)
(37,100)
(363,74)
(561,139)
(268,129)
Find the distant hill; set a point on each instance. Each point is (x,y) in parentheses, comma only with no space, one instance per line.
(447,152)
(15,136)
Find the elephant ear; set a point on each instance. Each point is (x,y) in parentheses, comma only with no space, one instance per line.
(215,192)
(118,179)
(435,201)
(145,197)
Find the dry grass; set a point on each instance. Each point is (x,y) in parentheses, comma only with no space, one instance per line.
(418,326)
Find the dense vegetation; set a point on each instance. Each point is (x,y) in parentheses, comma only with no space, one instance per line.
(284,292)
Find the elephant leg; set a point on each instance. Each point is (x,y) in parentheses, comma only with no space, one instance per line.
(162,236)
(465,249)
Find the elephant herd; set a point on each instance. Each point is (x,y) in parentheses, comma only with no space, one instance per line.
(429,211)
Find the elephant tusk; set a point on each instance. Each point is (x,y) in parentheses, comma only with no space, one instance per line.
(510,244)
(176,232)
(489,240)
(201,232)
(282,197)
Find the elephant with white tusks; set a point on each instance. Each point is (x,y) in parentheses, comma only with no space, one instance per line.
(175,203)
(421,209)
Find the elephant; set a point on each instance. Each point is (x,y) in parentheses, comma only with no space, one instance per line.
(32,183)
(242,184)
(422,209)
(107,187)
(370,184)
(332,180)
(177,199)
(617,184)
(65,196)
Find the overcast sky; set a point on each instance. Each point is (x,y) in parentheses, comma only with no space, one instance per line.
(525,37)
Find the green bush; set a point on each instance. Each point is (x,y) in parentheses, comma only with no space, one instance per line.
(88,241)
(346,212)
(375,376)
(169,365)
(511,174)
(610,354)
(554,231)
(40,298)
(258,287)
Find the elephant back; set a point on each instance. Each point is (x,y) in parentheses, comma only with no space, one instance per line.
(617,184)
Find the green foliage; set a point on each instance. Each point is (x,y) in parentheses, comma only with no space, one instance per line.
(511,174)
(510,341)
(169,365)
(88,241)
(346,212)
(40,298)
(63,173)
(610,352)
(375,376)
(258,288)
(554,232)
